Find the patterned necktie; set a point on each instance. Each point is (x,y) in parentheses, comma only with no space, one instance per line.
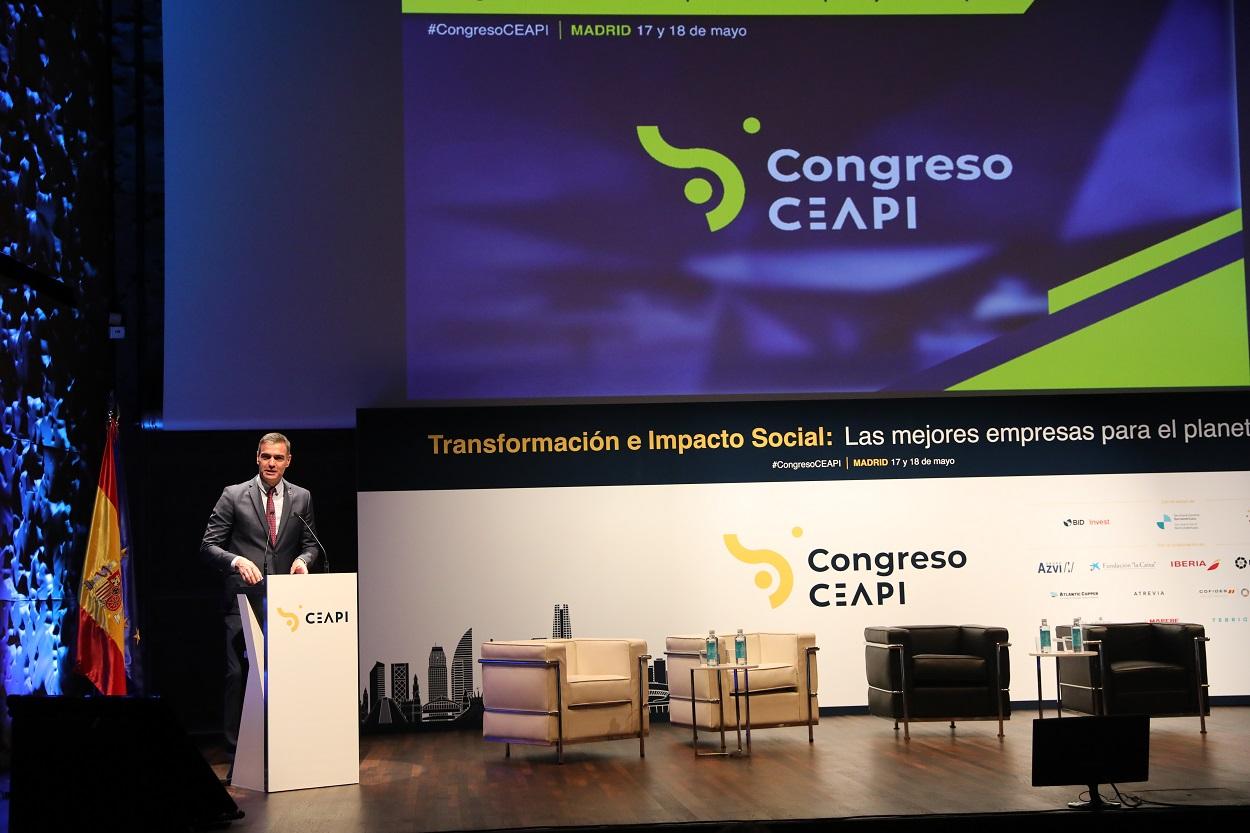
(272,518)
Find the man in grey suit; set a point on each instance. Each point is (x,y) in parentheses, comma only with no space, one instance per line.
(260,527)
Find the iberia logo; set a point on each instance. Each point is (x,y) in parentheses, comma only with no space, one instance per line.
(292,620)
(764,579)
(698,190)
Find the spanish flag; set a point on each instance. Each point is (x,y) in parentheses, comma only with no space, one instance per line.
(103,626)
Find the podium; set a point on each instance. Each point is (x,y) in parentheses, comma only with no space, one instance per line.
(300,726)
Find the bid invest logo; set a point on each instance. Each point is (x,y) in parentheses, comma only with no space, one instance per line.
(698,190)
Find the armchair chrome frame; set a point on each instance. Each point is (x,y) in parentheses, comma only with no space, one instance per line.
(554,665)
(1100,695)
(902,672)
(812,716)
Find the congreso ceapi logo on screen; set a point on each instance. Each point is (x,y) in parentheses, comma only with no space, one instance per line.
(819,192)
(313,617)
(825,565)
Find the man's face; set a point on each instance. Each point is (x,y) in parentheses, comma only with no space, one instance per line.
(272,460)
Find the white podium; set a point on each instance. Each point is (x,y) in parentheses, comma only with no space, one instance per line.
(301,723)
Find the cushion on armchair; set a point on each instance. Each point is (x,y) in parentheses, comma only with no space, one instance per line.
(948,670)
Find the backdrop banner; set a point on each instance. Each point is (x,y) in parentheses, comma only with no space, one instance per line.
(811,515)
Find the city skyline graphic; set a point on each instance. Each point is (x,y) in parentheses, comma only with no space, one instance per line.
(451,701)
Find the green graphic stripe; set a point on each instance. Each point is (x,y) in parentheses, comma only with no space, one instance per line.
(717,8)
(1191,336)
(1138,263)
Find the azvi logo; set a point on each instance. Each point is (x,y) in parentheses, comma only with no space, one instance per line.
(764,579)
(698,190)
(292,619)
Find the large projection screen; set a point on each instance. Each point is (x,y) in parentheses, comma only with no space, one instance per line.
(432,205)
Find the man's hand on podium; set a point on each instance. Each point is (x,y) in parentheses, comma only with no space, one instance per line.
(249,571)
(299,568)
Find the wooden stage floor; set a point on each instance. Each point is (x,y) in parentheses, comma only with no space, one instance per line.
(858,767)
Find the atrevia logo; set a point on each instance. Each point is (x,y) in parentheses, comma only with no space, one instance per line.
(292,620)
(764,579)
(698,190)
(1165,523)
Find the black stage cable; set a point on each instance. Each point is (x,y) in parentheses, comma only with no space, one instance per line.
(1130,802)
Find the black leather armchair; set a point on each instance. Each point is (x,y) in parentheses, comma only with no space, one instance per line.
(1141,668)
(938,673)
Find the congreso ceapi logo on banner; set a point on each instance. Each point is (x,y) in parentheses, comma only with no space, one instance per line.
(821,193)
(313,617)
(823,563)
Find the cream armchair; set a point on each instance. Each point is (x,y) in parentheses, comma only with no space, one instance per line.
(550,692)
(783,687)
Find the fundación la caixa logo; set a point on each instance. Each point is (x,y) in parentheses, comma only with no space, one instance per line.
(313,617)
(818,191)
(821,562)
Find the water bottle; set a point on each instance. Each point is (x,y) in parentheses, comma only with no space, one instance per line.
(1044,637)
(740,648)
(1078,639)
(712,658)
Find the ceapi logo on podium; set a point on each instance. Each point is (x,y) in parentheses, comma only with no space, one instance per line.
(314,617)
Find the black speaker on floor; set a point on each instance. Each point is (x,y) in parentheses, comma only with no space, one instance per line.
(1088,751)
(108,763)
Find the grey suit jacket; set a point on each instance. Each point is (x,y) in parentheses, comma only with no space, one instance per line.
(237,526)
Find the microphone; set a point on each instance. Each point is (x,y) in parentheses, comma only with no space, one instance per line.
(325,555)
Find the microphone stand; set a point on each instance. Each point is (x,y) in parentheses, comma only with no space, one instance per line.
(324,554)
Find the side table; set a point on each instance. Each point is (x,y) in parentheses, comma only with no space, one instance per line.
(1057,655)
(745,697)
